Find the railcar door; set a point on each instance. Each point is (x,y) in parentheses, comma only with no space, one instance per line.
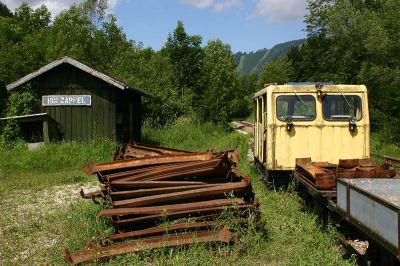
(260,128)
(264,129)
(255,128)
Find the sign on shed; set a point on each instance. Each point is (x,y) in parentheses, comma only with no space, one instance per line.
(67,100)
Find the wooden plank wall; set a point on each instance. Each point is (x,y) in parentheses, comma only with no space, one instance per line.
(80,123)
(137,119)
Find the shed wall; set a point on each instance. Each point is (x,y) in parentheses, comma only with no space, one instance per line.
(80,123)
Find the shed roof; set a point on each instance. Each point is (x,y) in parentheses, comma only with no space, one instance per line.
(67,60)
(28,118)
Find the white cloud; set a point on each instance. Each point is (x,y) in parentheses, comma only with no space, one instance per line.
(279,10)
(54,6)
(226,4)
(217,5)
(199,3)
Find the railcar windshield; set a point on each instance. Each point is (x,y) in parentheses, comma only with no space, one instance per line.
(296,107)
(342,107)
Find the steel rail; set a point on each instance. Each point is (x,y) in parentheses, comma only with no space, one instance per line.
(91,167)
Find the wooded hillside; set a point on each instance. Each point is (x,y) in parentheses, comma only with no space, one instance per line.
(254,62)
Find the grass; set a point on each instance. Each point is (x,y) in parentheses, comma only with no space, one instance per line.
(186,134)
(380,147)
(52,164)
(44,214)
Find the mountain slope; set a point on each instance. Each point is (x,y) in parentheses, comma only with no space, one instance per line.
(255,61)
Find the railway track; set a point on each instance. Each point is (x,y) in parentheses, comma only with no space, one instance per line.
(394,162)
(242,126)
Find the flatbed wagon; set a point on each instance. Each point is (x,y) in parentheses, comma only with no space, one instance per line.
(373,207)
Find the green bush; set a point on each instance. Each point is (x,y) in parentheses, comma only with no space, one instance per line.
(11,133)
(21,102)
(164,107)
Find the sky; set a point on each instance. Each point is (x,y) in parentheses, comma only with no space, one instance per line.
(247,25)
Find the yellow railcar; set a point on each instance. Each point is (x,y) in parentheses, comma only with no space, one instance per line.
(324,122)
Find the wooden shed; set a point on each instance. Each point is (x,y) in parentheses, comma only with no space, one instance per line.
(85,103)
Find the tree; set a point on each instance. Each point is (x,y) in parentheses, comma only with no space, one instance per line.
(220,83)
(72,35)
(185,55)
(242,98)
(152,71)
(278,71)
(86,33)
(95,11)
(24,40)
(4,11)
(3,98)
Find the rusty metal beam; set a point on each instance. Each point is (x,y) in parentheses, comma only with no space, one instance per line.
(234,156)
(157,230)
(136,152)
(169,208)
(221,162)
(187,174)
(180,214)
(141,150)
(91,167)
(161,230)
(91,195)
(182,169)
(240,175)
(201,192)
(129,194)
(161,150)
(153,184)
(107,252)
(122,174)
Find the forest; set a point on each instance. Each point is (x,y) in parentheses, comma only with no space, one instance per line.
(348,42)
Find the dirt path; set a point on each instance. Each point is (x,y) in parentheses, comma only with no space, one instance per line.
(28,224)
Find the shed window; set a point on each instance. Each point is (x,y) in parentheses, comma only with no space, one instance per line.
(341,107)
(297,107)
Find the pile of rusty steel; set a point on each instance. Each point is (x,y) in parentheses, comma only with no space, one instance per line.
(323,175)
(160,197)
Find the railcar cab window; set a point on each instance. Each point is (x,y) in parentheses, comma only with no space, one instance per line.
(295,107)
(341,107)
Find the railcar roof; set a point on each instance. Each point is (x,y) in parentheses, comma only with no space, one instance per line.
(311,89)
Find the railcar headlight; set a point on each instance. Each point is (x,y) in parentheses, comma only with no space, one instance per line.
(289,122)
(319,87)
(352,123)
